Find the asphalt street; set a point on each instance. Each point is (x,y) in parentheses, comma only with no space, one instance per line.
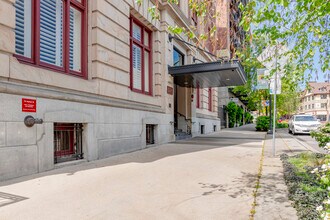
(304,140)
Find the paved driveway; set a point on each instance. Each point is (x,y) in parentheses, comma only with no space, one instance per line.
(209,177)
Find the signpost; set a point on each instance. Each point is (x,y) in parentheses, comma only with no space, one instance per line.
(272,86)
(266,58)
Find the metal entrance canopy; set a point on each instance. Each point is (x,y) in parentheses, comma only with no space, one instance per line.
(212,74)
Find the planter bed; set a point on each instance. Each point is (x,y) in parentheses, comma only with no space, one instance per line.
(308,191)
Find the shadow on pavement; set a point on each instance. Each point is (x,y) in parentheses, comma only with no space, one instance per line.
(240,187)
(7,199)
(274,190)
(226,138)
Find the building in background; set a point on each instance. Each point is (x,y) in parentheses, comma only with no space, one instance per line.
(85,80)
(315,100)
(230,38)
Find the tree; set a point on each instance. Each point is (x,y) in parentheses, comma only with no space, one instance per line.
(239,115)
(248,117)
(287,101)
(302,25)
(232,113)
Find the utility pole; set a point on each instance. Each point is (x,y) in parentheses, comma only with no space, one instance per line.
(327,108)
(270,130)
(275,91)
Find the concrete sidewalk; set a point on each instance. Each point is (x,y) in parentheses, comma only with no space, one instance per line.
(208,177)
(272,199)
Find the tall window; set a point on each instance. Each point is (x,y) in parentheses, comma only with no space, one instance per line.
(178,57)
(141,59)
(210,99)
(52,34)
(198,96)
(324,96)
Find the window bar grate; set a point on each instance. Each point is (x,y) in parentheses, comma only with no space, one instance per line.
(67,142)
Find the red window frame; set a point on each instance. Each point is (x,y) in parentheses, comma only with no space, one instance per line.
(197,96)
(144,48)
(210,99)
(35,39)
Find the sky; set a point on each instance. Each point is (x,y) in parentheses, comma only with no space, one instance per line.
(317,75)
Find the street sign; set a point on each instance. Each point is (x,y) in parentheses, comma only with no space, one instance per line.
(267,58)
(262,82)
(272,86)
(265,103)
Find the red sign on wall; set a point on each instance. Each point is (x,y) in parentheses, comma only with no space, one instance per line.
(29,105)
(169,90)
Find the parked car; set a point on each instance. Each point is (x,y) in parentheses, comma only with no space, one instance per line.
(303,124)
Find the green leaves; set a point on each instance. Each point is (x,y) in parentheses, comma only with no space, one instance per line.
(304,25)
(176,29)
(232,113)
(138,2)
(153,11)
(285,3)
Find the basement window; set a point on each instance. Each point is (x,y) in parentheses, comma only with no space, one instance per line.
(150,134)
(68,142)
(202,129)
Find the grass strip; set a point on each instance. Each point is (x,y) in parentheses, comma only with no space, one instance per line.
(257,186)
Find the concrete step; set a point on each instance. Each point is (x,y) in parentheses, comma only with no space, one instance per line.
(182,136)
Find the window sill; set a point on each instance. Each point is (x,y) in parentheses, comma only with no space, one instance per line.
(141,92)
(49,67)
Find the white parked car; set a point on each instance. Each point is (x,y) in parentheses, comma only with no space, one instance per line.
(303,124)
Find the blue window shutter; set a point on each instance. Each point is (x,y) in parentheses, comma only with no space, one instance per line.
(137,67)
(71,38)
(47,31)
(19,31)
(51,32)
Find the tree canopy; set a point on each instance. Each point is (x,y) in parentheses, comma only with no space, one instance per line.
(302,25)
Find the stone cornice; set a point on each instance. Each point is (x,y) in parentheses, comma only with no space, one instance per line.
(73,96)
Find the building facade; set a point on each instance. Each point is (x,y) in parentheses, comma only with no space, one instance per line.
(94,77)
(230,37)
(316,101)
